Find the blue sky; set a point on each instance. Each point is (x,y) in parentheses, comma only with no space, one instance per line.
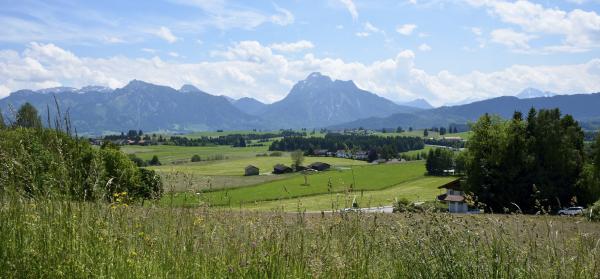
(443,51)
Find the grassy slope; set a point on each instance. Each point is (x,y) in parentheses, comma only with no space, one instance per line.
(424,189)
(365,177)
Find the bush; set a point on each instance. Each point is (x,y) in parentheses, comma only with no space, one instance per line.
(404,205)
(594,212)
(196,158)
(276,154)
(137,160)
(44,162)
(154,161)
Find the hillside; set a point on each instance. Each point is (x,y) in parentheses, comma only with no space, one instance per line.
(139,105)
(584,107)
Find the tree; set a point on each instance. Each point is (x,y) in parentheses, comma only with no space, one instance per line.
(439,160)
(410,129)
(442,131)
(425,133)
(2,125)
(399,130)
(596,158)
(242,142)
(196,158)
(372,155)
(297,158)
(28,117)
(154,161)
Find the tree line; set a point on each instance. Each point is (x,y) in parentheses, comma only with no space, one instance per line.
(531,164)
(334,141)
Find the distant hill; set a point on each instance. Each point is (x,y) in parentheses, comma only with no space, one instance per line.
(249,105)
(139,105)
(319,101)
(584,107)
(418,103)
(528,93)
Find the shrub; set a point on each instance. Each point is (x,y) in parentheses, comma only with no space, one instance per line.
(276,154)
(137,160)
(594,212)
(196,158)
(154,161)
(404,205)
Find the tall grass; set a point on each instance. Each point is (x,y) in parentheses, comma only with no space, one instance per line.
(47,239)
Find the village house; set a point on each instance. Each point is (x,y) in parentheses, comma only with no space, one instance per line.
(342,154)
(320,152)
(319,166)
(360,155)
(281,169)
(454,197)
(251,170)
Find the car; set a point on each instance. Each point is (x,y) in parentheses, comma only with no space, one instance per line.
(571,211)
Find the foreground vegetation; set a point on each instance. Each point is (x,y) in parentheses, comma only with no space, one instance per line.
(46,239)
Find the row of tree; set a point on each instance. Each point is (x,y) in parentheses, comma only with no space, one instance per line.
(531,164)
(387,146)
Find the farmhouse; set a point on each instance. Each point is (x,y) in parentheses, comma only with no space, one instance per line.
(454,196)
(455,139)
(360,155)
(319,166)
(342,154)
(280,169)
(251,170)
(320,152)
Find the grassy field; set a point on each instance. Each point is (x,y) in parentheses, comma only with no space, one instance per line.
(236,166)
(61,239)
(168,154)
(371,177)
(424,189)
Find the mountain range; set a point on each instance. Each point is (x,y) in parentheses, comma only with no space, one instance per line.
(315,102)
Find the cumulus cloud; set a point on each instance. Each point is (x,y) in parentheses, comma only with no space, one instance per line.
(351,8)
(165,34)
(249,68)
(406,29)
(579,28)
(292,47)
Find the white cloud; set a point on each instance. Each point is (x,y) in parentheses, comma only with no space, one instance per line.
(284,17)
(174,54)
(339,26)
(292,47)
(406,29)
(149,50)
(249,68)
(579,28)
(165,34)
(362,34)
(514,40)
(351,8)
(424,47)
(371,28)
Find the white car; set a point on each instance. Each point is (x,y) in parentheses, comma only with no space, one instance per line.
(571,211)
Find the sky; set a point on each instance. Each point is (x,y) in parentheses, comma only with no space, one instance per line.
(446,52)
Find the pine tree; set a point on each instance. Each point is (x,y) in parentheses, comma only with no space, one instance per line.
(28,117)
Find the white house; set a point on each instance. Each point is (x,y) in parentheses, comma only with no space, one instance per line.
(454,197)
